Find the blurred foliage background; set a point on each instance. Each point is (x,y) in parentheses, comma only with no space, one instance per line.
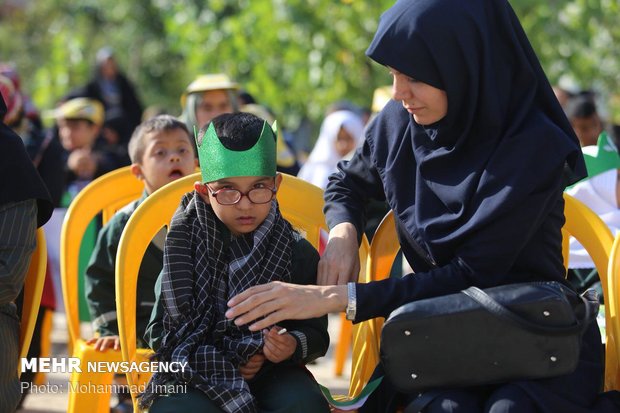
(296,56)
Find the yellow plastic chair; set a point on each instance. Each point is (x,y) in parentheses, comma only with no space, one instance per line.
(612,318)
(591,232)
(301,204)
(383,250)
(347,330)
(581,223)
(33,288)
(104,195)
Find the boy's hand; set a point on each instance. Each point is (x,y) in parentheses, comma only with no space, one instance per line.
(278,347)
(83,163)
(104,343)
(254,364)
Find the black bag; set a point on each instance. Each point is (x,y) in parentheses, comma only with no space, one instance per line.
(475,337)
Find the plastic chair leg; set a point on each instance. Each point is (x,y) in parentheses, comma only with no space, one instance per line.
(344,344)
(89,391)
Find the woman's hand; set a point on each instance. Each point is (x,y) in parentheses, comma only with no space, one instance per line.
(278,301)
(278,347)
(340,262)
(254,364)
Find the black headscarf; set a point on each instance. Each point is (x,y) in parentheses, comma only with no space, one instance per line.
(504,132)
(19,180)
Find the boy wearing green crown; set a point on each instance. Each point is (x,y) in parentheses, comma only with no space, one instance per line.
(225,237)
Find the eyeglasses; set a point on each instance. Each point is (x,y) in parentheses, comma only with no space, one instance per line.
(228,196)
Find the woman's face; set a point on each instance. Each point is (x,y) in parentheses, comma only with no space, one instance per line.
(109,70)
(426,103)
(344,142)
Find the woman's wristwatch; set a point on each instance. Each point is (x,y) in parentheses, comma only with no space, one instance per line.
(351,301)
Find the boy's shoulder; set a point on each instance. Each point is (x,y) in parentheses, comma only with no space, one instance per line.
(303,248)
(187,207)
(121,216)
(305,259)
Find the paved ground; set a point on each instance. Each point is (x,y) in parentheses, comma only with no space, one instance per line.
(50,402)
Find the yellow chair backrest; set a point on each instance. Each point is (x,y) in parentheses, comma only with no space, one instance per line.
(612,319)
(591,232)
(104,195)
(33,288)
(366,335)
(300,202)
(581,223)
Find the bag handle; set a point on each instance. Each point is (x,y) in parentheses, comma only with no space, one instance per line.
(504,313)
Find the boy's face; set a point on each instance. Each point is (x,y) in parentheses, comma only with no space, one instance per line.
(168,155)
(77,133)
(587,129)
(244,216)
(213,103)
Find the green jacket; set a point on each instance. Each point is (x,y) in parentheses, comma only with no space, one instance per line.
(100,280)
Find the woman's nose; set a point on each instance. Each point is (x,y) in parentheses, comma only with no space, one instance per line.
(400,89)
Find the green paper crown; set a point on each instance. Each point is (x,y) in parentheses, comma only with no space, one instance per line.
(218,162)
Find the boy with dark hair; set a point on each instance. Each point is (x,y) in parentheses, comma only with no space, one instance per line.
(584,118)
(161,151)
(227,236)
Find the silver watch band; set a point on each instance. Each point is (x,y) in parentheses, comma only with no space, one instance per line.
(351,301)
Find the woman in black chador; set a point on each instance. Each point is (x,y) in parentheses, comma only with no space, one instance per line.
(472,156)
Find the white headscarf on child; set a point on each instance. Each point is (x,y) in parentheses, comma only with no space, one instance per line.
(323,159)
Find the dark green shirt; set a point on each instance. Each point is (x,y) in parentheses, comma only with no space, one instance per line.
(100,280)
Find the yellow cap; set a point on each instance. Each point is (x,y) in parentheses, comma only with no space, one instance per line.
(213,81)
(381,97)
(81,108)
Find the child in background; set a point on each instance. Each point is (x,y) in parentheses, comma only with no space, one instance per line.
(585,120)
(341,132)
(226,236)
(161,151)
(79,123)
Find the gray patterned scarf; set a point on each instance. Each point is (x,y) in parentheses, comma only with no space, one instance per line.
(200,275)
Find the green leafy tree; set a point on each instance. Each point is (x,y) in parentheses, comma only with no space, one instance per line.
(577,40)
(295,56)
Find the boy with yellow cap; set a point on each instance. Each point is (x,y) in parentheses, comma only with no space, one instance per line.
(226,236)
(79,122)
